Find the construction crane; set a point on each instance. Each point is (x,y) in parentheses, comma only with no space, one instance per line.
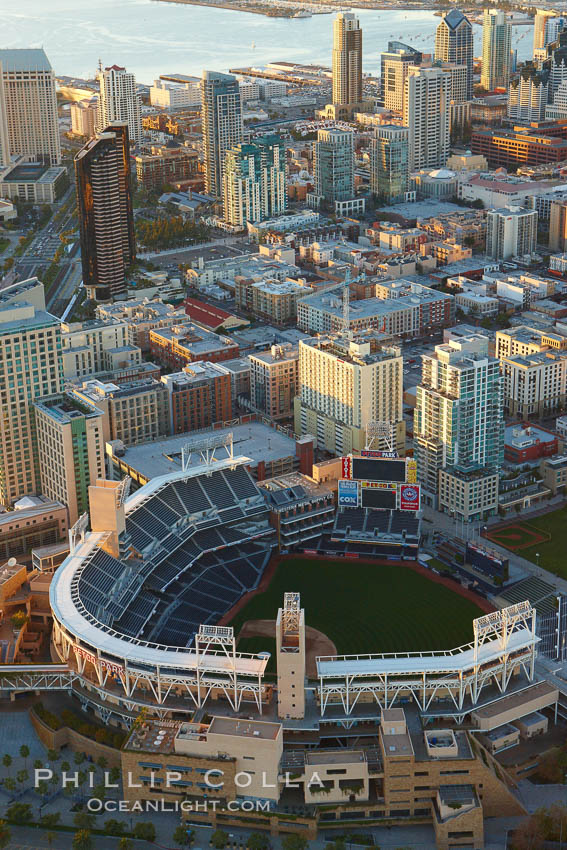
(345,286)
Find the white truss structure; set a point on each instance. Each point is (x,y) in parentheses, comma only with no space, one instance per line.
(36,677)
(206,449)
(380,436)
(504,643)
(170,678)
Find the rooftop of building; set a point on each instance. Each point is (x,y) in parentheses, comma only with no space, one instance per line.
(281,287)
(525,434)
(237,365)
(20,315)
(254,440)
(20,514)
(500,731)
(96,390)
(277,354)
(24,59)
(187,335)
(559,462)
(514,700)
(360,349)
(366,307)
(244,728)
(285,491)
(193,374)
(335,757)
(65,408)
(539,358)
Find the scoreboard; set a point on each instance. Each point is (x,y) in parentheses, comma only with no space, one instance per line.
(399,469)
(373,497)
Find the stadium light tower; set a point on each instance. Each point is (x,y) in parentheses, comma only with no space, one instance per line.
(290,655)
(380,436)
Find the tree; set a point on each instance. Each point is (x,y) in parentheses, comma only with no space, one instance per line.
(257,841)
(79,758)
(51,820)
(82,840)
(219,839)
(53,755)
(7,760)
(114,774)
(20,813)
(84,820)
(5,834)
(102,762)
(38,764)
(181,837)
(50,838)
(125,844)
(9,783)
(114,827)
(549,769)
(22,776)
(24,749)
(65,766)
(294,842)
(145,831)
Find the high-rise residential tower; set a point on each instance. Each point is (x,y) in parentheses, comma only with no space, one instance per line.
(459,428)
(254,181)
(28,107)
(4,143)
(31,366)
(511,232)
(427,96)
(106,221)
(496,43)
(347,59)
(394,64)
(454,44)
(118,100)
(542,16)
(333,157)
(346,382)
(389,173)
(221,117)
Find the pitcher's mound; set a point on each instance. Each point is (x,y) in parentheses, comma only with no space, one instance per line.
(316,643)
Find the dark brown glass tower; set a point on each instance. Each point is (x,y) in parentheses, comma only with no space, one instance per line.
(104,204)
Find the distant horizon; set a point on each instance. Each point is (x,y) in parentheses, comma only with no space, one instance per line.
(150,39)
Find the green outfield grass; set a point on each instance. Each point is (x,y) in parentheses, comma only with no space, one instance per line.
(366,607)
(552,552)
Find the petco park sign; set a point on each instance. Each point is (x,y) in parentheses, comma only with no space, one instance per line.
(107,665)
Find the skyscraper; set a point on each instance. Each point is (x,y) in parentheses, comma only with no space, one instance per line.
(254,181)
(29,105)
(528,95)
(389,173)
(4,143)
(454,44)
(542,16)
(221,117)
(333,166)
(345,383)
(511,232)
(347,59)
(118,101)
(394,64)
(496,41)
(427,95)
(459,428)
(104,204)
(30,367)
(71,450)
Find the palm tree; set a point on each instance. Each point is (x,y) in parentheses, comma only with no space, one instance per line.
(5,834)
(7,760)
(24,752)
(52,755)
(125,844)
(82,840)
(50,838)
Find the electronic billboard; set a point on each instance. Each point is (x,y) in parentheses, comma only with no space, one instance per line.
(375,497)
(379,469)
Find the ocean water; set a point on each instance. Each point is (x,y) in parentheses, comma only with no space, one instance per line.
(152,38)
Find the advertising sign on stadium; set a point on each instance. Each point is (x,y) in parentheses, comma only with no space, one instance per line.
(378,469)
(107,665)
(381,485)
(346,467)
(383,498)
(409,497)
(372,453)
(348,493)
(411,471)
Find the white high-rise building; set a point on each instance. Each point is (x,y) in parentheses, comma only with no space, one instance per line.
(347,59)
(454,44)
(496,45)
(118,101)
(345,383)
(427,95)
(528,95)
(394,64)
(28,107)
(511,232)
